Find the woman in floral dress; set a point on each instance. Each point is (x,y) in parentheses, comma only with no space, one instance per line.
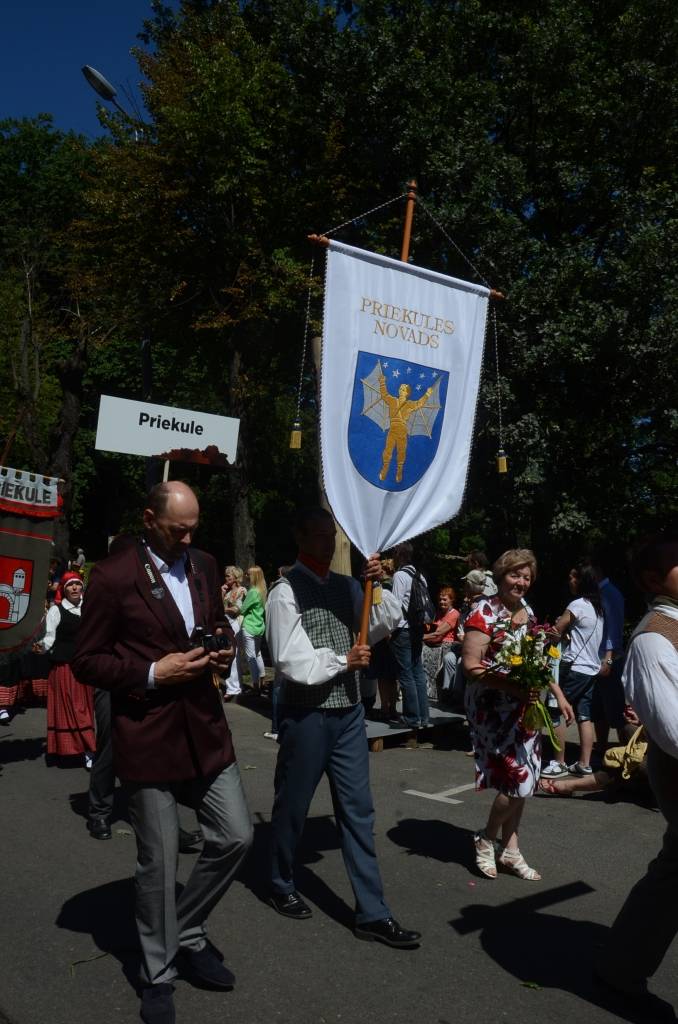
(507,755)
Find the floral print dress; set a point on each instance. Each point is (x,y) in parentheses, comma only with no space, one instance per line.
(508,757)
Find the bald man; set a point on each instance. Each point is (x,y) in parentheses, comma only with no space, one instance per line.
(144,618)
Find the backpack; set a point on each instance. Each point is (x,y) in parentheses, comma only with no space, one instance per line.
(420,610)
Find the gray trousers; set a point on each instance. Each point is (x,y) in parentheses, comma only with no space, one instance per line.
(165,923)
(648,922)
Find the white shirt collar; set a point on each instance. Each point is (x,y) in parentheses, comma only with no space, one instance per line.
(666,605)
(176,567)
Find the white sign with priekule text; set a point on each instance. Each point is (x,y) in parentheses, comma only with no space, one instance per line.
(163,432)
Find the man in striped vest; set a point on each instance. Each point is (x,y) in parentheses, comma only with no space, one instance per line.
(312,617)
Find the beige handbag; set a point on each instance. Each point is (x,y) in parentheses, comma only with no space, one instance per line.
(628,758)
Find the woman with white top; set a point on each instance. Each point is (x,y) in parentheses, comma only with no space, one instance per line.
(70,704)
(582,624)
(233,594)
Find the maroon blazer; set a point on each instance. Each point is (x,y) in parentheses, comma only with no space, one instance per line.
(172,732)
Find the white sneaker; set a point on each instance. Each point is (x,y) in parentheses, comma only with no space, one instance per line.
(555,770)
(4,715)
(271,735)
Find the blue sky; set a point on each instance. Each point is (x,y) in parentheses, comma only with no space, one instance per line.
(43,45)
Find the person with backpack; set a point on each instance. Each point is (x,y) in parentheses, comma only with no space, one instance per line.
(411,590)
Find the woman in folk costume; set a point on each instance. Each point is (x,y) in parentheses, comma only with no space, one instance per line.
(70,704)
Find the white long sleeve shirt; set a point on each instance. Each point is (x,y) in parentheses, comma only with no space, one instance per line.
(651,679)
(293,654)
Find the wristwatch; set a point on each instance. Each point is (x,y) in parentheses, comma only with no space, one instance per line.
(609,662)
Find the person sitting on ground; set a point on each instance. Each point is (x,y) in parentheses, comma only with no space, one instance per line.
(582,624)
(621,765)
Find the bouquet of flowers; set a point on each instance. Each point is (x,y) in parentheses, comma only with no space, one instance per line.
(526,661)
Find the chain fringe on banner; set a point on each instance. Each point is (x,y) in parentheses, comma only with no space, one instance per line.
(295,435)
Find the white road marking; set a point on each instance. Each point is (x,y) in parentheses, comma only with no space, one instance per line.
(443,797)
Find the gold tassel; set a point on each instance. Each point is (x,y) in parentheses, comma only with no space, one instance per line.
(376,593)
(502,461)
(295,436)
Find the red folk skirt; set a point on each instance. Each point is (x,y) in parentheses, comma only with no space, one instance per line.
(28,689)
(70,714)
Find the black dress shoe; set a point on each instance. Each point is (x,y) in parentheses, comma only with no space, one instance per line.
(188,841)
(99,828)
(204,968)
(289,904)
(157,1005)
(389,932)
(643,1004)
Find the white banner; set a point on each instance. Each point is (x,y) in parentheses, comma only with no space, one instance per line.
(163,432)
(29,494)
(401,358)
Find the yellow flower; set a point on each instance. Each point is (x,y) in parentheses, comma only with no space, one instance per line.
(553,652)
(529,639)
(516,659)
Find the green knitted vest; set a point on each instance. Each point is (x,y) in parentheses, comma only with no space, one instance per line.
(327,616)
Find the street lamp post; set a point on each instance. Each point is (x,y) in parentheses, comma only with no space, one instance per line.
(103,88)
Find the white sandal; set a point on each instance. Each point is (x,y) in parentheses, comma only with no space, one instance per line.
(513,862)
(485,855)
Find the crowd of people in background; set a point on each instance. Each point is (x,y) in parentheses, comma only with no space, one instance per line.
(422,655)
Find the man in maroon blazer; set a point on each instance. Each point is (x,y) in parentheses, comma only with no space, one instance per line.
(145,612)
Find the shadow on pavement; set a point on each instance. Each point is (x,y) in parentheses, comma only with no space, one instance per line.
(107,914)
(319,834)
(434,838)
(21,750)
(545,950)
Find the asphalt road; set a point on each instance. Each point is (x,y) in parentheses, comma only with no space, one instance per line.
(491,951)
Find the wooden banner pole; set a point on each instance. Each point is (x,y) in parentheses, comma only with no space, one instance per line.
(404,256)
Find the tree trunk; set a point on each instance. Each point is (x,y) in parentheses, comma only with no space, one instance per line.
(244,539)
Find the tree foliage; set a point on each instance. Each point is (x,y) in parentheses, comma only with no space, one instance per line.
(543,137)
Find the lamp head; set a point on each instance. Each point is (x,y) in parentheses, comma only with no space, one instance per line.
(99,83)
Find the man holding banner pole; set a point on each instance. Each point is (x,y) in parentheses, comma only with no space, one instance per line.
(312,617)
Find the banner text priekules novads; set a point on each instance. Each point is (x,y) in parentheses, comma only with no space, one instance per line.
(170,423)
(406,324)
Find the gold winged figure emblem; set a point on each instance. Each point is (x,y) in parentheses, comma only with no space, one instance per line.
(400,416)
